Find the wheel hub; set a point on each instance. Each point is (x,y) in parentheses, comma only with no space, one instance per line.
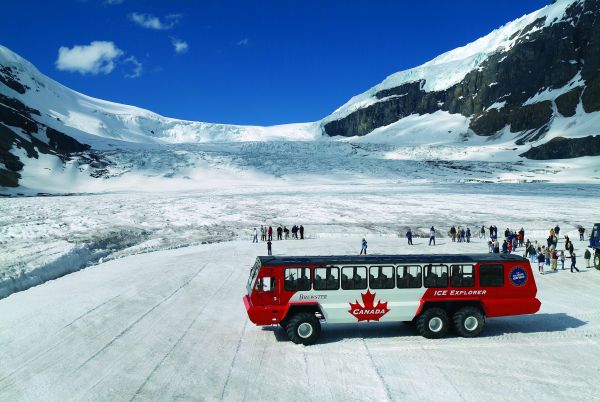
(305,330)
(471,323)
(436,324)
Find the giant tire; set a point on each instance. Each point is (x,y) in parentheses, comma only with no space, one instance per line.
(303,328)
(432,323)
(468,322)
(597,259)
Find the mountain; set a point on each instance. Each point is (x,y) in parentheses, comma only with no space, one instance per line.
(534,78)
(529,90)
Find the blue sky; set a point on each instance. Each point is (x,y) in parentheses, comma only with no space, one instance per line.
(241,62)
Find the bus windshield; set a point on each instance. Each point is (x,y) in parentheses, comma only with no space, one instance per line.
(253,273)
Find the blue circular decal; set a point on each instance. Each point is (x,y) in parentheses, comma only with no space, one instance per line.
(518,276)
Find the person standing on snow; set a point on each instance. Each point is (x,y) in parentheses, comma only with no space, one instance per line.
(286,231)
(270,233)
(453,233)
(554,260)
(573,262)
(363,247)
(540,259)
(255,236)
(482,232)
(409,237)
(279,233)
(269,250)
(581,231)
(432,236)
(557,230)
(301,230)
(263,233)
(468,235)
(562,259)
(586,256)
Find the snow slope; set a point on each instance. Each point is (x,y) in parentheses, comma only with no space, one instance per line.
(451,67)
(171,326)
(84,117)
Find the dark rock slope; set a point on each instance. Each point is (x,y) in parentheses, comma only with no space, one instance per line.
(563,148)
(542,58)
(20,130)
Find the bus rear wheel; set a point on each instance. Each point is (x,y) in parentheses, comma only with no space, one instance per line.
(468,322)
(303,328)
(432,323)
(597,259)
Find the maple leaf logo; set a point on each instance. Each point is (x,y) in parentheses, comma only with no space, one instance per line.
(368,312)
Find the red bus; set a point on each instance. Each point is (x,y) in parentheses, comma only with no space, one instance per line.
(435,292)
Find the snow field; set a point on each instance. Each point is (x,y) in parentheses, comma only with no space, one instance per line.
(46,237)
(171,325)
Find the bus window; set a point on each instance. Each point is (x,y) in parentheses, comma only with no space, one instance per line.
(266,284)
(381,277)
(491,275)
(327,278)
(461,276)
(436,276)
(354,278)
(297,279)
(409,276)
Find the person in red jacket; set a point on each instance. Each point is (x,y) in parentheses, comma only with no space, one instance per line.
(270,233)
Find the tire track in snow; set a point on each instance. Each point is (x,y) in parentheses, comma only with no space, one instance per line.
(235,355)
(183,335)
(385,385)
(140,318)
(52,347)
(88,312)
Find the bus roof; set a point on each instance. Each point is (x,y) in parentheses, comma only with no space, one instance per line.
(388,258)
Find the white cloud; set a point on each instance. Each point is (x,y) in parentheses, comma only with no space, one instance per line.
(95,58)
(137,67)
(243,42)
(151,22)
(179,45)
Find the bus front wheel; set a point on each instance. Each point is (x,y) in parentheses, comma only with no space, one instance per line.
(303,328)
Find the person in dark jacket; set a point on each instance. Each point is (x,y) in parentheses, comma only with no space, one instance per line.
(581,232)
(286,231)
(557,230)
(453,233)
(301,230)
(269,250)
(468,234)
(505,247)
(409,236)
(541,260)
(587,256)
(573,262)
(279,233)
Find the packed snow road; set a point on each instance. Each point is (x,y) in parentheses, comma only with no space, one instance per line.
(171,325)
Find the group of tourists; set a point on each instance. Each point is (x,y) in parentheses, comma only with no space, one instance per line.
(548,255)
(266,234)
(461,235)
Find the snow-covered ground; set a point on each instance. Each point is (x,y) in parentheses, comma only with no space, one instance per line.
(171,325)
(45,237)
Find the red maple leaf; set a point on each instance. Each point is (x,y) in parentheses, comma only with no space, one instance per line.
(369,312)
